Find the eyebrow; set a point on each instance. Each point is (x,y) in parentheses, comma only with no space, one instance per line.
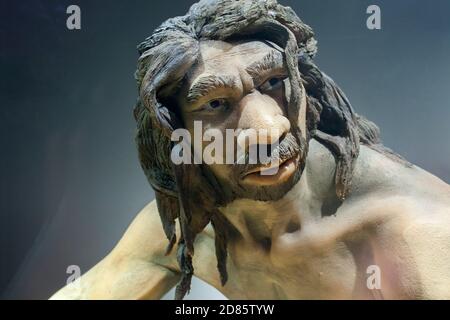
(206,84)
(272,60)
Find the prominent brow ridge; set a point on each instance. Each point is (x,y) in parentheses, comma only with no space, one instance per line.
(203,86)
(270,61)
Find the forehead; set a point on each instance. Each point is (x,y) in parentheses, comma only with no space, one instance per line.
(224,57)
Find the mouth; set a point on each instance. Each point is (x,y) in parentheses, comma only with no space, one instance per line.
(272,174)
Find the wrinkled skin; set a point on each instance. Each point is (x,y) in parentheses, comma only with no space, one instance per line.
(307,244)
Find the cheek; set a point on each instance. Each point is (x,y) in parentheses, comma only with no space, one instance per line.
(286,91)
(209,143)
(280,99)
(302,114)
(283,99)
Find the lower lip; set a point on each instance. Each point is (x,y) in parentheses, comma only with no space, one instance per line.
(285,170)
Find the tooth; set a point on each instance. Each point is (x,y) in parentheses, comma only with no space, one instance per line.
(270,171)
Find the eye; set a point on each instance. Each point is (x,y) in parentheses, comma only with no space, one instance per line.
(215,104)
(272,84)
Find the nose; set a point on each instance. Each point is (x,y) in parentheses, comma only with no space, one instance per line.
(262,115)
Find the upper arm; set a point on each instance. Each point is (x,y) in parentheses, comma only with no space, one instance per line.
(145,240)
(135,269)
(429,241)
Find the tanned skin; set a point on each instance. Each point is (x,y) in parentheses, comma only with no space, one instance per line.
(307,245)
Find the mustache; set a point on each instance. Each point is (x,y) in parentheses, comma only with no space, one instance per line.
(285,149)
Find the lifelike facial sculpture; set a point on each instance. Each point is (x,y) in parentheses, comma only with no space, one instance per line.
(242,87)
(237,65)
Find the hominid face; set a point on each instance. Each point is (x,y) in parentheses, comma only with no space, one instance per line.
(242,88)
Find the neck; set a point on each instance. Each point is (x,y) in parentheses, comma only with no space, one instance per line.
(262,222)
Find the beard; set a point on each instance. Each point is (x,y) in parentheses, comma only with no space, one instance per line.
(232,188)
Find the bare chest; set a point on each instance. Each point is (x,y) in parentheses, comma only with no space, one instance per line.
(313,267)
(255,274)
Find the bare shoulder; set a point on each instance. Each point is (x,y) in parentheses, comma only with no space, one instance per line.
(416,232)
(134,269)
(145,240)
(412,232)
(137,267)
(427,236)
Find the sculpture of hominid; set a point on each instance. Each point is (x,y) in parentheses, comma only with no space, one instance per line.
(339,203)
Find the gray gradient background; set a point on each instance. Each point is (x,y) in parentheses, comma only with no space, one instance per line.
(70,182)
